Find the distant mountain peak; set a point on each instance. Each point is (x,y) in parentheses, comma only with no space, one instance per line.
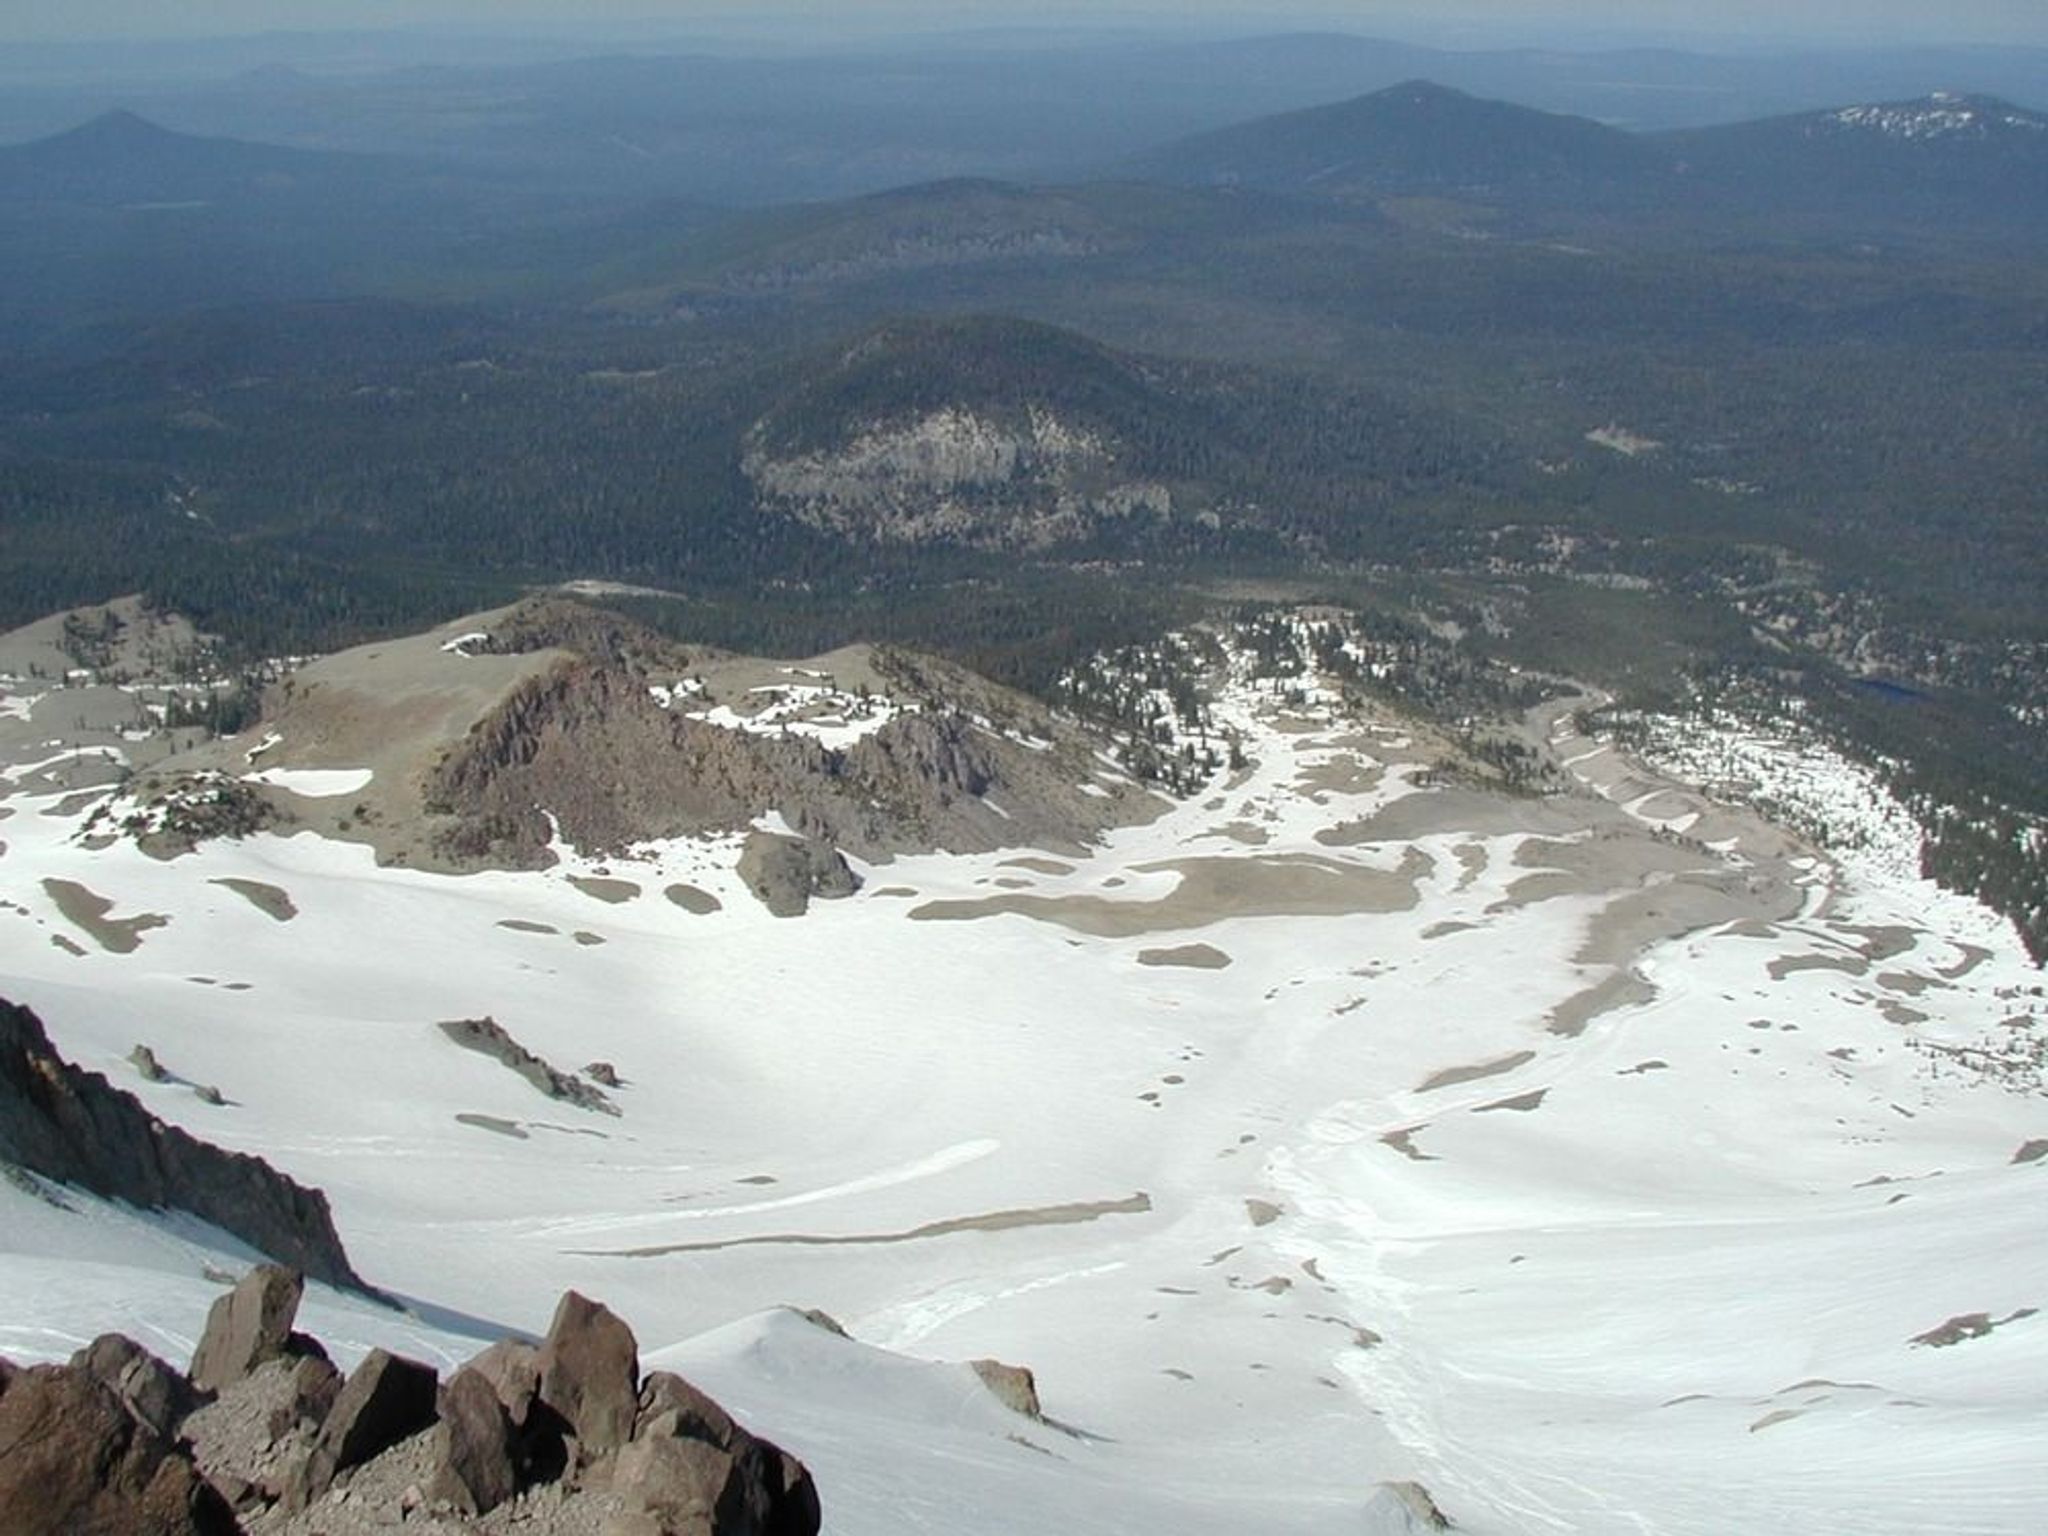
(118,127)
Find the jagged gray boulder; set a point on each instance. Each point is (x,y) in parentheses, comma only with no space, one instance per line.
(472,1455)
(156,1394)
(784,873)
(250,1325)
(590,1373)
(664,1394)
(386,1399)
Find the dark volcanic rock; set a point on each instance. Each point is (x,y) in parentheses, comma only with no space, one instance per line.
(590,1372)
(75,1128)
(695,1415)
(250,1325)
(786,872)
(688,1485)
(385,1400)
(512,1367)
(75,1462)
(489,1037)
(80,1453)
(473,1447)
(689,1460)
(152,1391)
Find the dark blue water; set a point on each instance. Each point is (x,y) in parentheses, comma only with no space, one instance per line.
(1896,693)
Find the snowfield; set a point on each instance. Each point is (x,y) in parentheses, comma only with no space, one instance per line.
(1612,1163)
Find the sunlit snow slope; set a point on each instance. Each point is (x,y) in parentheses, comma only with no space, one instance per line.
(1609,1162)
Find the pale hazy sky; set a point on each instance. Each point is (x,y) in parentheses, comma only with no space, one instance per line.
(1874,21)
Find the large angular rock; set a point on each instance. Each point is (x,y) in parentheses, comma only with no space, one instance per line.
(1011,1385)
(149,1389)
(590,1372)
(689,1460)
(75,1462)
(512,1367)
(671,1407)
(250,1325)
(473,1463)
(688,1485)
(385,1400)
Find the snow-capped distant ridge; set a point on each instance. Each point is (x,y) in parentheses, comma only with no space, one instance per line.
(1942,115)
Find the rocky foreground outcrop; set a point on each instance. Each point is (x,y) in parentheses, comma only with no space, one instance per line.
(266,1436)
(75,1128)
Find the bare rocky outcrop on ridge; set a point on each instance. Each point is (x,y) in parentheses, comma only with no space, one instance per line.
(962,764)
(73,1127)
(488,1037)
(488,740)
(562,1441)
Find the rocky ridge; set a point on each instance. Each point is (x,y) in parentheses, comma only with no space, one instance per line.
(73,1127)
(553,722)
(266,1436)
(633,739)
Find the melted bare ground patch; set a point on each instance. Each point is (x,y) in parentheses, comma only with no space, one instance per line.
(615,892)
(1072,1214)
(1038,866)
(1881,942)
(1467,811)
(1792,965)
(1450,1077)
(1909,983)
(1199,957)
(697,903)
(88,911)
(1403,1142)
(1244,833)
(1211,889)
(1341,776)
(1624,989)
(1680,905)
(2031,1151)
(271,900)
(1263,1213)
(1522,1102)
(523,925)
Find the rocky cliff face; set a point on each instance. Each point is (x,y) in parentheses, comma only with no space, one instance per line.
(959,476)
(619,749)
(75,1128)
